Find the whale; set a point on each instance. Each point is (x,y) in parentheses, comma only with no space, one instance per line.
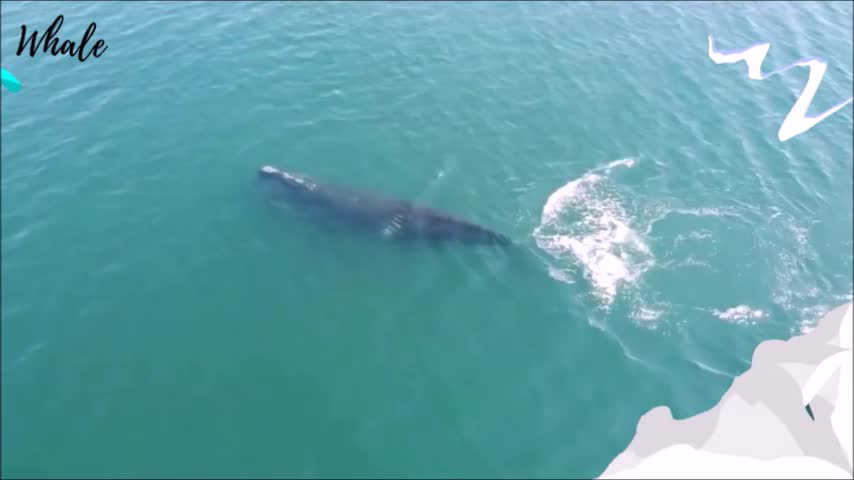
(390,218)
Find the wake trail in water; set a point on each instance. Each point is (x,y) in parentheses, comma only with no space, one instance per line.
(797,121)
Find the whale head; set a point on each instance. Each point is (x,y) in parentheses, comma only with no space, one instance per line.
(291,179)
(268,171)
(281,183)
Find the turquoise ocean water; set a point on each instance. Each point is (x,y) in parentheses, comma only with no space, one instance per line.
(159,319)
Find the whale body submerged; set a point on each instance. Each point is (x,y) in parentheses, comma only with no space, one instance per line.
(392,218)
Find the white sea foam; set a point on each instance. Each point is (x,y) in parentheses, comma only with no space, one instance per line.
(704,212)
(740,314)
(646,314)
(695,235)
(586,221)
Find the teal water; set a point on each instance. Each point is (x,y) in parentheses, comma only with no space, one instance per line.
(160,320)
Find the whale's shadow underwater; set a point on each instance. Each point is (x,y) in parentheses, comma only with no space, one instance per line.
(388,218)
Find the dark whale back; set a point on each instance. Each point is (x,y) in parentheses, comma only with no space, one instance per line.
(393,218)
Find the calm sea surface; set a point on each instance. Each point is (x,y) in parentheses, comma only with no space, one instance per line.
(160,319)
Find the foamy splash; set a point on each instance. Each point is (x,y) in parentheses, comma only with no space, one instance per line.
(586,221)
(740,314)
